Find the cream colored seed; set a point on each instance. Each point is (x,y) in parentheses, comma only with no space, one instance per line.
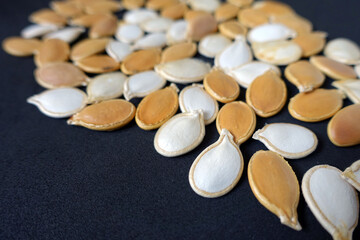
(352,175)
(98,64)
(311,43)
(270,32)
(213,44)
(52,50)
(333,69)
(350,87)
(36,30)
(152,40)
(68,34)
(204,5)
(295,22)
(141,60)
(128,33)
(178,51)
(20,47)
(88,47)
(118,50)
(232,29)
(226,11)
(343,50)
(159,24)
(177,32)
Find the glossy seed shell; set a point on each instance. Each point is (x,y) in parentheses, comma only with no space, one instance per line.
(333,69)
(51,51)
(141,60)
(152,40)
(88,47)
(178,51)
(177,32)
(20,47)
(98,64)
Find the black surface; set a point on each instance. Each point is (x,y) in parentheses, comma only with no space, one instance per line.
(66,182)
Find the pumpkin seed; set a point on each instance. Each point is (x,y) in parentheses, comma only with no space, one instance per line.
(357,70)
(67,9)
(60,74)
(20,47)
(204,5)
(226,11)
(304,76)
(142,84)
(160,4)
(352,175)
(152,40)
(159,24)
(137,16)
(68,34)
(177,32)
(232,29)
(88,47)
(184,70)
(289,140)
(273,8)
(105,27)
(141,60)
(175,11)
(213,44)
(315,106)
(102,6)
(105,116)
(239,119)
(132,4)
(212,178)
(241,3)
(333,69)
(47,16)
(221,86)
(277,52)
(178,51)
(192,14)
(267,94)
(234,55)
(295,22)
(343,50)
(105,86)
(89,20)
(270,32)
(323,190)
(200,26)
(350,87)
(275,186)
(98,64)
(180,134)
(118,50)
(343,129)
(195,98)
(59,103)
(311,43)
(157,108)
(51,51)
(251,18)
(128,33)
(35,30)
(245,74)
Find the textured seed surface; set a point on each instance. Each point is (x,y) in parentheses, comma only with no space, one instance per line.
(178,51)
(311,43)
(221,86)
(98,64)
(141,60)
(333,69)
(20,47)
(88,47)
(52,50)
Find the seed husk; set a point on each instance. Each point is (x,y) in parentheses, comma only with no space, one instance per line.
(343,129)
(343,50)
(160,4)
(241,3)
(270,32)
(51,51)
(221,86)
(251,18)
(226,11)
(239,118)
(232,29)
(317,105)
(102,6)
(200,26)
(35,30)
(311,43)
(178,51)
(132,4)
(297,23)
(60,74)
(67,9)
(98,64)
(234,55)
(47,16)
(159,24)
(152,40)
(141,60)
(88,47)
(175,11)
(128,33)
(157,108)
(137,16)
(275,186)
(68,34)
(352,175)
(350,87)
(89,20)
(333,69)
(213,44)
(20,47)
(105,116)
(105,27)
(177,32)
(304,76)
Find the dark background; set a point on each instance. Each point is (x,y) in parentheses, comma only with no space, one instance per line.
(66,182)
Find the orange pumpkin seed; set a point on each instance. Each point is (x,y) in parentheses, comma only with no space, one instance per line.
(20,47)
(141,60)
(98,64)
(52,50)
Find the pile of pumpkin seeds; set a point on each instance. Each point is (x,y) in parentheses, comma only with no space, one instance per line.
(156,41)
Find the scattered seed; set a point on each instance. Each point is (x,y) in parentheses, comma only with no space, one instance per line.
(20,47)
(98,64)
(152,40)
(35,30)
(343,50)
(141,60)
(178,51)
(67,9)
(226,11)
(251,18)
(128,33)
(177,32)
(232,29)
(68,34)
(137,16)
(47,16)
(102,6)
(299,24)
(89,20)
(357,70)
(132,4)
(175,11)
(51,51)
(118,50)
(200,26)
(192,14)
(350,87)
(88,47)
(159,24)
(241,3)
(270,32)
(352,175)
(204,5)
(311,43)
(105,27)
(273,8)
(333,69)
(213,44)
(160,4)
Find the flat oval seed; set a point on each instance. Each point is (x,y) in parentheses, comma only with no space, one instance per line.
(178,51)
(159,4)
(184,70)
(267,94)
(128,33)
(20,47)
(275,186)
(88,47)
(221,86)
(212,178)
(105,27)
(181,134)
(132,4)
(59,103)
(140,61)
(118,50)
(226,11)
(343,129)
(175,11)
(270,32)
(297,23)
(315,106)
(47,16)
(192,14)
(333,69)
(350,87)
(67,9)
(311,43)
(60,74)
(273,8)
(152,40)
(278,52)
(195,98)
(137,16)
(105,116)
(98,64)
(213,44)
(35,30)
(102,7)
(352,175)
(159,24)
(332,200)
(142,84)
(204,5)
(200,26)
(51,51)
(289,140)
(88,20)
(232,29)
(304,76)
(105,86)
(251,18)
(239,119)
(177,32)
(157,108)
(247,73)
(68,34)
(241,3)
(343,50)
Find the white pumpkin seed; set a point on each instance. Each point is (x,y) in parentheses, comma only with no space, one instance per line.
(289,140)
(247,73)
(138,16)
(332,200)
(204,5)
(270,32)
(234,55)
(35,30)
(343,50)
(118,50)
(350,87)
(218,168)
(180,134)
(60,102)
(357,70)
(105,86)
(68,34)
(142,84)
(159,24)
(194,98)
(151,40)
(213,44)
(184,70)
(128,33)
(352,175)
(177,32)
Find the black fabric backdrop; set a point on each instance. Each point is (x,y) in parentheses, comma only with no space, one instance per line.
(65,182)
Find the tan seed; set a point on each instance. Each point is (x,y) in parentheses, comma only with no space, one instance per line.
(104,28)
(178,51)
(98,64)
(133,4)
(47,16)
(160,4)
(140,61)
(299,24)
(67,9)
(191,14)
(316,106)
(105,116)
(241,3)
(175,11)
(52,50)
(20,47)
(200,26)
(311,43)
(102,7)
(274,8)
(89,20)
(88,47)
(232,29)
(251,18)
(226,11)
(333,69)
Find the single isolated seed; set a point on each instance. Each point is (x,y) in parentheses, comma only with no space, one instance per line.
(51,51)
(47,16)
(350,87)
(333,69)
(178,51)
(311,43)
(343,50)
(352,175)
(68,34)
(20,47)
(98,64)
(118,50)
(226,11)
(200,26)
(141,60)
(35,30)
(270,32)
(88,47)
(213,44)
(232,29)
